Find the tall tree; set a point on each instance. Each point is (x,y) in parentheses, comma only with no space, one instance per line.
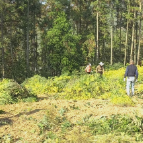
(139,40)
(111,34)
(97,46)
(126,42)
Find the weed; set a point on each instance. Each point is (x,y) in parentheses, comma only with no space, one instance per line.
(6,139)
(44,124)
(63,110)
(65,125)
(60,119)
(30,99)
(1,111)
(86,118)
(116,123)
(74,107)
(78,135)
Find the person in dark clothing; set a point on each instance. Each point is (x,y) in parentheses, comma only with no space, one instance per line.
(132,76)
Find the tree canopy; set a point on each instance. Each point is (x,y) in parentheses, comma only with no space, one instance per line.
(51,37)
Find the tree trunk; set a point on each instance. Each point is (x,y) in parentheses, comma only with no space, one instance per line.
(120,31)
(27,50)
(2,48)
(35,41)
(11,52)
(126,44)
(140,23)
(132,42)
(97,48)
(111,58)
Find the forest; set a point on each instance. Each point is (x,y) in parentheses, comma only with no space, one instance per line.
(45,94)
(52,37)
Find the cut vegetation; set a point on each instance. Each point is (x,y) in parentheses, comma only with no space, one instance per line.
(74,109)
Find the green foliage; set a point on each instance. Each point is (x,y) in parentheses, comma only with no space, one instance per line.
(74,107)
(44,124)
(62,46)
(30,99)
(115,128)
(12,92)
(6,139)
(123,100)
(36,84)
(66,124)
(115,66)
(50,137)
(41,85)
(83,86)
(62,111)
(1,112)
(115,124)
(53,120)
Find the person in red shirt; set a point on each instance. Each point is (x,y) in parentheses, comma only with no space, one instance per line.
(88,68)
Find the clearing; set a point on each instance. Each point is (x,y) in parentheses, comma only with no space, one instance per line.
(20,120)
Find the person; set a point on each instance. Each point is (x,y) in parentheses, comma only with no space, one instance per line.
(100,68)
(88,68)
(132,75)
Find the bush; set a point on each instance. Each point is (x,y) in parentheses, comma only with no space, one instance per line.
(123,100)
(36,84)
(41,85)
(115,66)
(12,92)
(83,86)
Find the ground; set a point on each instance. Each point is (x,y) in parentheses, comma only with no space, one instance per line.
(20,120)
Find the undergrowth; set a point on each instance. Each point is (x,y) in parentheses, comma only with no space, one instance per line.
(54,127)
(77,86)
(83,86)
(12,92)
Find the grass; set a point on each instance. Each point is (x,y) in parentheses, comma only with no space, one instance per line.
(94,121)
(83,109)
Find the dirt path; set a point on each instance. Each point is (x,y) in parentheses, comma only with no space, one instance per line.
(20,120)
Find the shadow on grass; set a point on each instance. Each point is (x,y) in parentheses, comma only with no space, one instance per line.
(42,98)
(8,120)
(5,121)
(28,113)
(49,96)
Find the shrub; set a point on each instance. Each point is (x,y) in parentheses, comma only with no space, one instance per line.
(115,124)
(122,100)
(12,92)
(115,66)
(140,89)
(41,85)
(36,84)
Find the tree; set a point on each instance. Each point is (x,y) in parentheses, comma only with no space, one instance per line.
(61,47)
(139,40)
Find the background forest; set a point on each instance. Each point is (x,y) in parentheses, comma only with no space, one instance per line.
(52,37)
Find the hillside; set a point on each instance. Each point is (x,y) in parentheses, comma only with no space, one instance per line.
(20,121)
(71,109)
